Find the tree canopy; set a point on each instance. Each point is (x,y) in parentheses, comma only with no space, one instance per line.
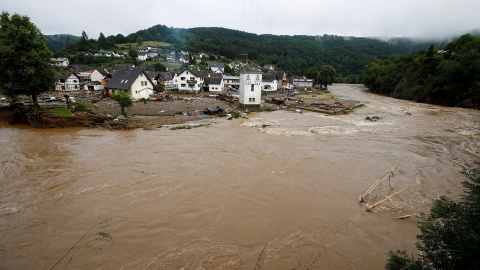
(24,58)
(326,76)
(450,76)
(123,99)
(450,234)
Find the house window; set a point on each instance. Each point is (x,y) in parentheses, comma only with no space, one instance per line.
(253,87)
(182,78)
(251,99)
(141,74)
(183,85)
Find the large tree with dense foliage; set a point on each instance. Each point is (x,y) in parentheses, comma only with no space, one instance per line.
(450,234)
(24,58)
(326,76)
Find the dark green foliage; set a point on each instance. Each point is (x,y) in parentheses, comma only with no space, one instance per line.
(59,42)
(159,67)
(451,78)
(132,52)
(450,234)
(24,58)
(400,260)
(326,76)
(123,99)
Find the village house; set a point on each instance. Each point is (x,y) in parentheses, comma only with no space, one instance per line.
(142,49)
(133,81)
(70,82)
(60,62)
(250,92)
(165,80)
(142,56)
(231,82)
(213,84)
(107,53)
(190,80)
(216,67)
(303,83)
(170,57)
(269,82)
(93,86)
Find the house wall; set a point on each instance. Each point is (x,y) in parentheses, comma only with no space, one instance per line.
(141,88)
(183,79)
(72,83)
(216,87)
(96,76)
(270,86)
(250,92)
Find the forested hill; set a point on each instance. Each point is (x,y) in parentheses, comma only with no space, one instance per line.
(60,42)
(293,54)
(450,76)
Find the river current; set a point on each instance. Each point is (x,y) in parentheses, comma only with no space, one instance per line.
(278,190)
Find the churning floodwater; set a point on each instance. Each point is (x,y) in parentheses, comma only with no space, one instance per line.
(279,190)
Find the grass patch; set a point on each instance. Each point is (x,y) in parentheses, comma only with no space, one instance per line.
(64,112)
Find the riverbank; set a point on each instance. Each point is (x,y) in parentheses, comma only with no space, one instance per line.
(92,110)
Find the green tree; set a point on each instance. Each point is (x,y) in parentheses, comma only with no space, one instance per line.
(102,42)
(450,234)
(312,73)
(327,75)
(123,99)
(159,67)
(24,58)
(132,53)
(140,41)
(83,42)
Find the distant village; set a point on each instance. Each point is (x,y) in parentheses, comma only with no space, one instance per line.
(143,84)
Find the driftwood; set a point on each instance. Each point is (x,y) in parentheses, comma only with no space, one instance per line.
(386,199)
(403,217)
(379,180)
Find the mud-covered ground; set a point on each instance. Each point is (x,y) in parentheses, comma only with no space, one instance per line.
(180,108)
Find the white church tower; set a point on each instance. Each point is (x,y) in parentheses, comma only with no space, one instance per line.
(250,90)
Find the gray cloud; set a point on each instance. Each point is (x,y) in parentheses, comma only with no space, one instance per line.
(425,18)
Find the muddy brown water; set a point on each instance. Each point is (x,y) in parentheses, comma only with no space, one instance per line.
(278,190)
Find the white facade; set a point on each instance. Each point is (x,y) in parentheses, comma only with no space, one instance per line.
(70,83)
(250,92)
(142,56)
(187,81)
(96,76)
(141,88)
(60,62)
(270,86)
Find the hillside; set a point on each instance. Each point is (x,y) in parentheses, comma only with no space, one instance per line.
(59,42)
(293,54)
(450,76)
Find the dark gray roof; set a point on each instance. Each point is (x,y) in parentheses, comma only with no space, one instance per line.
(250,70)
(82,68)
(213,80)
(196,72)
(167,76)
(123,79)
(268,77)
(217,65)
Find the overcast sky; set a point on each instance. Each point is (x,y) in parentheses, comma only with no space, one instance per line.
(361,18)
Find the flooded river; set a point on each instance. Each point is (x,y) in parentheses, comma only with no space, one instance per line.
(279,190)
